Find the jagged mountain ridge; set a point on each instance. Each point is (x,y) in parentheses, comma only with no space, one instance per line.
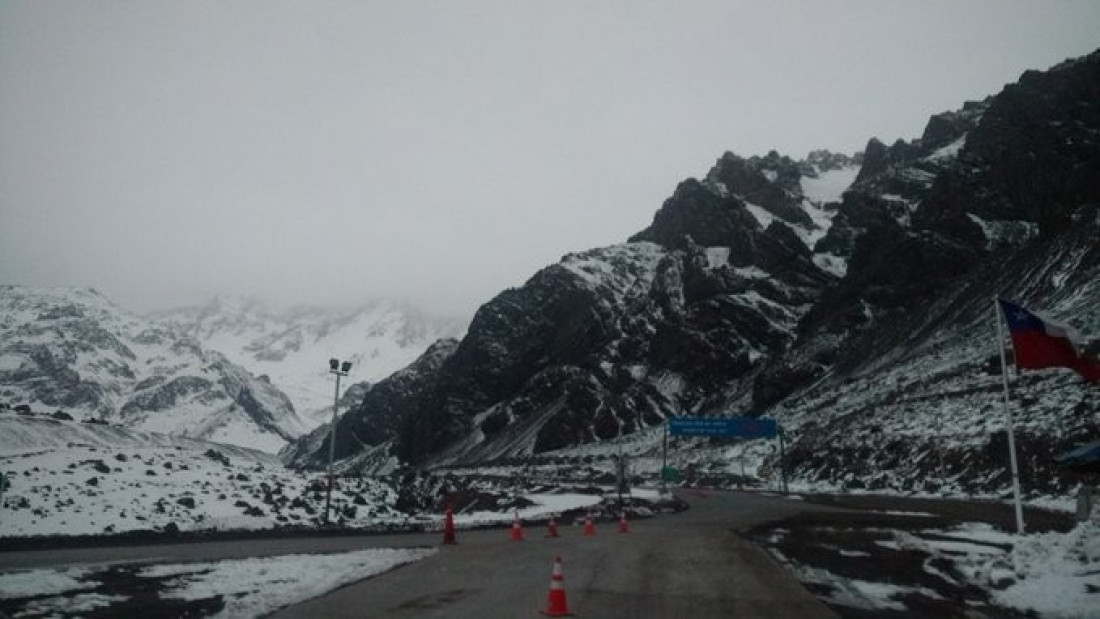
(292,346)
(73,350)
(733,303)
(657,323)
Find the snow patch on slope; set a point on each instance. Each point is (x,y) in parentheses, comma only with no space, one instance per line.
(623,270)
(829,186)
(292,346)
(998,233)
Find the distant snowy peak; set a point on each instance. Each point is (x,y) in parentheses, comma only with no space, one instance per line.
(292,346)
(73,350)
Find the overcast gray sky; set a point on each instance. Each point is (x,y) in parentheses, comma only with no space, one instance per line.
(441,151)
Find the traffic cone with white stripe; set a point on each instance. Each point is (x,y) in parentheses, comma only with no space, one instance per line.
(552,528)
(624,526)
(517,530)
(589,526)
(556,606)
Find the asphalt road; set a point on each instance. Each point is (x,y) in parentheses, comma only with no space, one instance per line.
(690,564)
(687,565)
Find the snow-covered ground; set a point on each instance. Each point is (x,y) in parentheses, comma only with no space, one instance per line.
(70,478)
(234,589)
(1056,574)
(937,569)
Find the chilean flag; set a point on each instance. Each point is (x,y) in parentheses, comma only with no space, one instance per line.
(1042,344)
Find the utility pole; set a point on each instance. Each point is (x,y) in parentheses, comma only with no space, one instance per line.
(339,370)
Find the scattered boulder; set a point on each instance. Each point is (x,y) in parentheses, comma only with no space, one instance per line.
(99,465)
(217,456)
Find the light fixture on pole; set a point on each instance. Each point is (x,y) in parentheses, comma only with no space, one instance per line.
(335,367)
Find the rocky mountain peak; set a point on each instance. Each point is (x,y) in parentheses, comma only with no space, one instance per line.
(768,281)
(947,127)
(770,182)
(698,212)
(824,160)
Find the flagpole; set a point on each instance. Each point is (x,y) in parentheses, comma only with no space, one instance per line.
(1008,420)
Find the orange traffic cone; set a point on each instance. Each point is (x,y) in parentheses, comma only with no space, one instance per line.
(589,526)
(449,527)
(517,531)
(624,526)
(552,528)
(556,606)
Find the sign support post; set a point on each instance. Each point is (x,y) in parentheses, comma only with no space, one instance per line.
(664,460)
(727,427)
(782,460)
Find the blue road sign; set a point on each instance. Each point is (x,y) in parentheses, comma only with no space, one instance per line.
(733,427)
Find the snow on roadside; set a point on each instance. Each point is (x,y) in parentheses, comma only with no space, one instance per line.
(1050,574)
(854,593)
(43,582)
(1058,573)
(250,587)
(546,505)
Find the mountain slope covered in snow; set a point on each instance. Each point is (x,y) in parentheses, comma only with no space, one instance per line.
(292,346)
(73,351)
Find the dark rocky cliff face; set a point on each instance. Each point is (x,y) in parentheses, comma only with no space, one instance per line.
(736,298)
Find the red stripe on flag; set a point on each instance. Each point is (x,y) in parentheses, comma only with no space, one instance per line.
(1036,350)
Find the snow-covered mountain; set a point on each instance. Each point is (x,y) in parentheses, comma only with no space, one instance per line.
(292,346)
(848,297)
(610,340)
(72,350)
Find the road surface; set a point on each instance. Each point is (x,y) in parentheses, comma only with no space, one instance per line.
(690,564)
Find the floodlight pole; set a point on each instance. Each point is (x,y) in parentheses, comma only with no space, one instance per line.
(622,473)
(338,370)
